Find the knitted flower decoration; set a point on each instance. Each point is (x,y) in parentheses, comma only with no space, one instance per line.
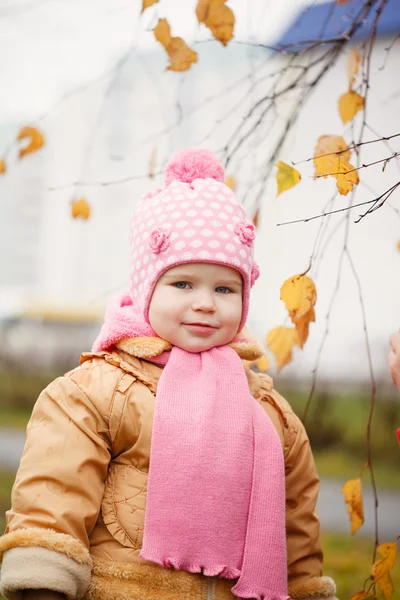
(246,232)
(159,240)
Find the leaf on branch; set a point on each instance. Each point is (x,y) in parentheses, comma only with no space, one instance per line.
(361,595)
(262,363)
(2,166)
(383,566)
(180,55)
(219,19)
(350,104)
(352,492)
(281,341)
(286,177)
(303,324)
(299,295)
(353,63)
(230,181)
(332,158)
(147,4)
(80,209)
(35,140)
(386,586)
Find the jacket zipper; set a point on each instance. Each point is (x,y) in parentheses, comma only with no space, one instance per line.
(210,588)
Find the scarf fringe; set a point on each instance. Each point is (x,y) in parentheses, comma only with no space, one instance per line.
(222,572)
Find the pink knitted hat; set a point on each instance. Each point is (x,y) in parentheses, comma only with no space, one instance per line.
(194,218)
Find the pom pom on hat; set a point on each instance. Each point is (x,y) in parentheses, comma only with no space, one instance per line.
(191,164)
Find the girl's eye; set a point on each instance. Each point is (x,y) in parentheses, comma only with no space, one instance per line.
(222,290)
(181,285)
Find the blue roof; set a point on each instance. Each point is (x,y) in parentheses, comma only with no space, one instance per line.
(331,20)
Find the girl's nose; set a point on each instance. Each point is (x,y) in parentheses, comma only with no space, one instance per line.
(204,303)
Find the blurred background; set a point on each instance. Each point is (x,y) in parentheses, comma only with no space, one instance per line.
(90,76)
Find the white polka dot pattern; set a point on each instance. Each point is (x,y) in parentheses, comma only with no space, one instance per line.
(198,221)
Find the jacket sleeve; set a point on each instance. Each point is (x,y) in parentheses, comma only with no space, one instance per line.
(57,494)
(305,559)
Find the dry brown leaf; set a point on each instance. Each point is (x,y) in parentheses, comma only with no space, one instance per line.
(2,166)
(299,295)
(342,1)
(281,341)
(230,181)
(35,140)
(180,55)
(332,158)
(147,4)
(286,177)
(350,104)
(80,209)
(219,19)
(353,63)
(352,491)
(302,326)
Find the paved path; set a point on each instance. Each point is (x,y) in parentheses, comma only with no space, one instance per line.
(331,506)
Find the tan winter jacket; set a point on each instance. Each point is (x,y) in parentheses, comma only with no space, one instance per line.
(76,522)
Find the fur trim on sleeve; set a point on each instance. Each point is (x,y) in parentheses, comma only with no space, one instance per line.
(313,588)
(39,568)
(46,538)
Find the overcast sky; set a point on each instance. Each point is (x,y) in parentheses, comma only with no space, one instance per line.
(49,46)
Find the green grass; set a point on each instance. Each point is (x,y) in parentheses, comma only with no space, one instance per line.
(15,417)
(348,561)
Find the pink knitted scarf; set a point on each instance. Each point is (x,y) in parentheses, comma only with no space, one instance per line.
(216,487)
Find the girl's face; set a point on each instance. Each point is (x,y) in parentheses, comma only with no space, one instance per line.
(197,306)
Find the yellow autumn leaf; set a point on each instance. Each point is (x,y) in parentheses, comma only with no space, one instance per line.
(147,4)
(2,166)
(180,55)
(332,158)
(398,243)
(361,595)
(281,341)
(35,140)
(286,177)
(302,325)
(262,363)
(384,565)
(352,491)
(218,17)
(353,63)
(386,586)
(230,181)
(80,209)
(350,104)
(299,295)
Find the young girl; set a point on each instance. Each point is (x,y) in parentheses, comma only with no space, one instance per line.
(157,470)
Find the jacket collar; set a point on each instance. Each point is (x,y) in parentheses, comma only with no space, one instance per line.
(245,344)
